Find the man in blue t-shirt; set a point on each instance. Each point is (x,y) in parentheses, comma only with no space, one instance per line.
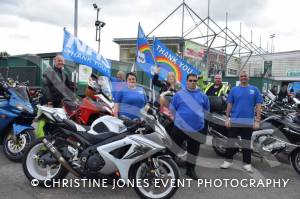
(244,101)
(188,107)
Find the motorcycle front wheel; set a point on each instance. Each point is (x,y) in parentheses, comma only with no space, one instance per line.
(14,146)
(165,172)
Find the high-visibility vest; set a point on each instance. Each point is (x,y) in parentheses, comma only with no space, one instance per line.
(223,89)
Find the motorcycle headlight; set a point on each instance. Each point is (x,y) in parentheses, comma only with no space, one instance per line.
(24,108)
(20,107)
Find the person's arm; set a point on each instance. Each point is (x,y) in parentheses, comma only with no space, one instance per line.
(258,112)
(228,111)
(156,81)
(46,84)
(118,101)
(259,101)
(69,83)
(257,117)
(173,105)
(207,104)
(116,109)
(230,101)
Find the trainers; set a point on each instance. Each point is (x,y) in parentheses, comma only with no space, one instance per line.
(226,165)
(248,168)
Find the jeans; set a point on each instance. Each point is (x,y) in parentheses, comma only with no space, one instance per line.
(231,148)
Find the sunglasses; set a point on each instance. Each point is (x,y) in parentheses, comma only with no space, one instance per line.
(192,80)
(131,79)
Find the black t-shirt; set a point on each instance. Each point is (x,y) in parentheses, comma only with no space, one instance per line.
(212,91)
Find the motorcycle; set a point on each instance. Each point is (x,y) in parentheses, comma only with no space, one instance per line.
(17,115)
(87,111)
(111,148)
(93,106)
(279,134)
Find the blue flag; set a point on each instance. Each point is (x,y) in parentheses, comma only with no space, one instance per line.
(76,51)
(144,55)
(170,62)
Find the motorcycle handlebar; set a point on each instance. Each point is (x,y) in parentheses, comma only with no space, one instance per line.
(136,125)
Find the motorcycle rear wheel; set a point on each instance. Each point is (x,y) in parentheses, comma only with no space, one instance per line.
(295,160)
(35,171)
(218,145)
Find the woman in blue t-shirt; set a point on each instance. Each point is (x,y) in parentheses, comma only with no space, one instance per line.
(131,99)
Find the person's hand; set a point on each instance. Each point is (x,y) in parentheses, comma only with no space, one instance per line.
(256,125)
(228,123)
(157,70)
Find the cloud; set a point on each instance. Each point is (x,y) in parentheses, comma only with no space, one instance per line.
(46,11)
(61,13)
(18,36)
(47,17)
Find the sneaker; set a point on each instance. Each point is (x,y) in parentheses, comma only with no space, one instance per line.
(226,165)
(248,168)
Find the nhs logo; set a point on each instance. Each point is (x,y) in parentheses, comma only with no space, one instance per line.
(77,51)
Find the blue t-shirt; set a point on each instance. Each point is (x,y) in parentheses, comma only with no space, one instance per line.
(131,101)
(188,108)
(244,100)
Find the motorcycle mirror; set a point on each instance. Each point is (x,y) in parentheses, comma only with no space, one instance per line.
(296,100)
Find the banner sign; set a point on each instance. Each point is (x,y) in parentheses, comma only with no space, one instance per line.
(75,50)
(144,55)
(170,62)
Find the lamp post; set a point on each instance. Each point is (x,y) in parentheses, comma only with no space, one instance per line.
(99,24)
(76,18)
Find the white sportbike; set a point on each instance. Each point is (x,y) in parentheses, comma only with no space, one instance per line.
(109,149)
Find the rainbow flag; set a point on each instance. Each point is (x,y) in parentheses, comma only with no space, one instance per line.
(170,62)
(144,55)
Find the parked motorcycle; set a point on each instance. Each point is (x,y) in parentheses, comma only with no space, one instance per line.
(111,148)
(95,104)
(87,111)
(16,115)
(279,134)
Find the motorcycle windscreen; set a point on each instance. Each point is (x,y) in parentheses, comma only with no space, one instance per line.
(21,92)
(105,85)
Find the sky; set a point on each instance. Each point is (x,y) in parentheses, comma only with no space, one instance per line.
(36,26)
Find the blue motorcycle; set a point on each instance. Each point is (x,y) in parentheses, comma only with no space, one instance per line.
(16,117)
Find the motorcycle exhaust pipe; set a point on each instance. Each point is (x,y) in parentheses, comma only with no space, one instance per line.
(217,134)
(59,157)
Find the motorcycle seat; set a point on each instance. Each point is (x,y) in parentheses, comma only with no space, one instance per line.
(70,107)
(97,138)
(92,138)
(294,126)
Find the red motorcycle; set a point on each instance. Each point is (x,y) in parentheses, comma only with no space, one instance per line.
(96,104)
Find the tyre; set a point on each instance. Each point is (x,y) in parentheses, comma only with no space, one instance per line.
(295,160)
(14,147)
(218,145)
(168,170)
(35,168)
